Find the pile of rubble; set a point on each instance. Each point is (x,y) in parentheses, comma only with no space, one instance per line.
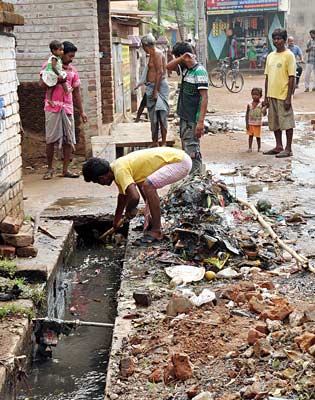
(17,238)
(248,343)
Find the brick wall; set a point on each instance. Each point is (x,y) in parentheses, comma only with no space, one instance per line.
(76,21)
(106,68)
(11,196)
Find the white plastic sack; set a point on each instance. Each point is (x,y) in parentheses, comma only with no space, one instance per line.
(206,296)
(187,273)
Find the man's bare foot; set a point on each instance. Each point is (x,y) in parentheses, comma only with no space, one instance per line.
(273,151)
(163,144)
(154,234)
(51,103)
(249,151)
(154,144)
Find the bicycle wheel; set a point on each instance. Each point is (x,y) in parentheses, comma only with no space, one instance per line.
(216,77)
(234,81)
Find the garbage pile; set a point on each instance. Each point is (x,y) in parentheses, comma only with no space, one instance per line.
(208,228)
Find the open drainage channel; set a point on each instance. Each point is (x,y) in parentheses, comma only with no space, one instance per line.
(87,291)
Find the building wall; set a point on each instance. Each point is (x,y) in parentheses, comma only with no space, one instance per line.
(75,21)
(106,68)
(300,20)
(11,196)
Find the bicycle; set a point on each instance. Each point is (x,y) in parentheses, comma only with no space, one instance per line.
(217,75)
(234,80)
(225,75)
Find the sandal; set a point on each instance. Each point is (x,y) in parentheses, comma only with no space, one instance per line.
(146,240)
(272,152)
(69,174)
(284,154)
(48,175)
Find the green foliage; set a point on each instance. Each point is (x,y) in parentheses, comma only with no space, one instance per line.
(14,310)
(38,296)
(27,217)
(143,5)
(7,267)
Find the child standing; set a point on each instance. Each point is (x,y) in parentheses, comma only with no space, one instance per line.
(254,113)
(252,55)
(54,70)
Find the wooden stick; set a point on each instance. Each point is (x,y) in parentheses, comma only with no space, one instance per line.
(39,228)
(300,258)
(46,232)
(111,230)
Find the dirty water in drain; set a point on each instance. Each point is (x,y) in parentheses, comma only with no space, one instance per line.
(77,369)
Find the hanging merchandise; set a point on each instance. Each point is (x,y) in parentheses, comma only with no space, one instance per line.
(217,27)
(254,23)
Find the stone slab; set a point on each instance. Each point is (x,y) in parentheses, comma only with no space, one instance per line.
(50,250)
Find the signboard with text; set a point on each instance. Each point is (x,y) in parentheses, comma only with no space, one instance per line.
(235,6)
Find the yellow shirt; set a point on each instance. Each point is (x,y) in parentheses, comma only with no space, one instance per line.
(279,67)
(135,167)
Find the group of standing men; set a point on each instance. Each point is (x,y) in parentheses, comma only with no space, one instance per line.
(193,95)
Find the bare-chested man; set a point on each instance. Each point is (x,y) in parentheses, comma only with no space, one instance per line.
(157,90)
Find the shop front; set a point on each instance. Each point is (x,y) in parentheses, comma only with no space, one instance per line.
(249,22)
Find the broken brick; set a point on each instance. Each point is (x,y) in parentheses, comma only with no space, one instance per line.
(169,374)
(155,376)
(182,366)
(266,285)
(7,251)
(142,298)
(251,294)
(280,311)
(305,341)
(23,238)
(240,298)
(297,318)
(310,314)
(261,327)
(254,335)
(178,305)
(256,305)
(262,348)
(127,367)
(11,224)
(28,251)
